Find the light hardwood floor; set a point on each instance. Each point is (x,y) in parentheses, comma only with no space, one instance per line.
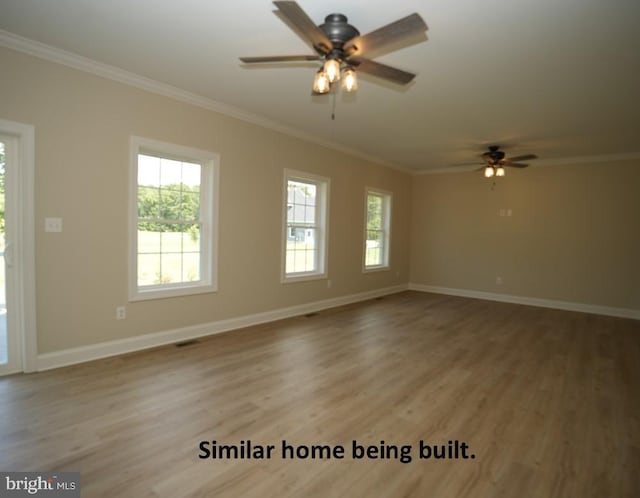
(548,402)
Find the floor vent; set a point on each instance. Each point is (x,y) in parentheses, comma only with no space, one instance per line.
(186,343)
(309,315)
(379,298)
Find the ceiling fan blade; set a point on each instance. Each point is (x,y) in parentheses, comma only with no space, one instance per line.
(525,157)
(381,70)
(307,28)
(386,35)
(516,165)
(280,58)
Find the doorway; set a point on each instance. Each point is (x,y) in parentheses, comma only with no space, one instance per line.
(4,338)
(10,342)
(18,349)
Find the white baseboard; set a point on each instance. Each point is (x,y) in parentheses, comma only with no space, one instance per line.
(530,301)
(82,354)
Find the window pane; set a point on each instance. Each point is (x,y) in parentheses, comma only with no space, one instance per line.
(191,176)
(310,260)
(301,193)
(167,256)
(148,269)
(310,214)
(373,257)
(170,172)
(190,204)
(148,202)
(148,240)
(171,268)
(374,238)
(290,258)
(301,250)
(148,170)
(171,241)
(170,204)
(191,238)
(296,235)
(310,194)
(374,212)
(297,214)
(190,267)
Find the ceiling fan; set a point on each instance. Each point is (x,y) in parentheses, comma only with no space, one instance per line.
(340,46)
(496,161)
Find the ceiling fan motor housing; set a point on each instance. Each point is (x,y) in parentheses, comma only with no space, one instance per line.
(339,31)
(494,156)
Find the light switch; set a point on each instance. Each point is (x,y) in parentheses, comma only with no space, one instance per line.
(53,224)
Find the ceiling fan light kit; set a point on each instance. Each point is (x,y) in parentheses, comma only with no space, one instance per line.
(330,73)
(340,46)
(496,162)
(349,79)
(332,70)
(321,83)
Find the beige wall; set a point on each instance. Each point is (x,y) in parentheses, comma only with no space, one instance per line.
(574,233)
(83,124)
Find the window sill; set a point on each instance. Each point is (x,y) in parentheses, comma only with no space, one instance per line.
(160,293)
(303,277)
(373,269)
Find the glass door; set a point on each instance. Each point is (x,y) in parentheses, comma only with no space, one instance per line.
(4,356)
(10,349)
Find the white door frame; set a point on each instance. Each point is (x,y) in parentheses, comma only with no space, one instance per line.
(23,305)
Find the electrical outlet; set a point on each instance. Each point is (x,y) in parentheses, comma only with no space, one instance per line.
(329,284)
(121,313)
(509,212)
(501,212)
(499,280)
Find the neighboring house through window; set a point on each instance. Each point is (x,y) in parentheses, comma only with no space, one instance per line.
(173,238)
(377,229)
(305,226)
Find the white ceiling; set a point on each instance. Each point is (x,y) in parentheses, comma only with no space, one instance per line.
(558,78)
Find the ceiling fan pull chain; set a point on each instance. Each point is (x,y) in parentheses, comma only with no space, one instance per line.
(333,107)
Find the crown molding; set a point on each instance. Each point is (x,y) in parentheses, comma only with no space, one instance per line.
(559,161)
(85,64)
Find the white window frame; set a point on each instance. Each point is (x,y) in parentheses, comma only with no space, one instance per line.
(209,195)
(387,202)
(322,216)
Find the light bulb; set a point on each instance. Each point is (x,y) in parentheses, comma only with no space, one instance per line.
(499,171)
(321,82)
(332,70)
(489,172)
(349,80)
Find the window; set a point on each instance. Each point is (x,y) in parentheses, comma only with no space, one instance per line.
(305,226)
(173,220)
(377,230)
